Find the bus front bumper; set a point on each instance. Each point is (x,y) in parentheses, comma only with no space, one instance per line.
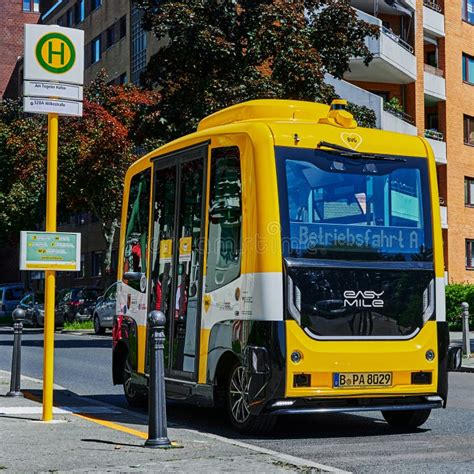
(311,405)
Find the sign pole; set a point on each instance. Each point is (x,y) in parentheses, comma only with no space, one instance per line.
(50,275)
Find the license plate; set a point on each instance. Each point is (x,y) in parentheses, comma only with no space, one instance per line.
(362,379)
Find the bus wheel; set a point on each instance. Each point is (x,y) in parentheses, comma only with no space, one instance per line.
(238,405)
(406,419)
(134,397)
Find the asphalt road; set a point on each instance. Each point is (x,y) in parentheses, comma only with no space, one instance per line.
(352,442)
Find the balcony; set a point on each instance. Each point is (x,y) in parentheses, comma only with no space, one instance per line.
(393,62)
(433,19)
(398,122)
(444,215)
(385,120)
(435,85)
(437,143)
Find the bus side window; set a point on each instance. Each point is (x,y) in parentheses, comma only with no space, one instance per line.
(136,235)
(225,218)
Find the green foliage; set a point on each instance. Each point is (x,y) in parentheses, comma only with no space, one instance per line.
(218,53)
(364,116)
(393,105)
(457,293)
(78,325)
(95,152)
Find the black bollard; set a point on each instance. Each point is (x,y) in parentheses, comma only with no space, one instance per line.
(157,423)
(18,318)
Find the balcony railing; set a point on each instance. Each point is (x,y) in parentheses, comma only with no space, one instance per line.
(401,115)
(388,32)
(434,135)
(434,70)
(433,5)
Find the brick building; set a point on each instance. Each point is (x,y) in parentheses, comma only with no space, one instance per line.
(15,13)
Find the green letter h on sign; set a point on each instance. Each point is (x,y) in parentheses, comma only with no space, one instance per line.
(59,53)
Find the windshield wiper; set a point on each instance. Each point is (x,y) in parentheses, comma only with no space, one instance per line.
(356,154)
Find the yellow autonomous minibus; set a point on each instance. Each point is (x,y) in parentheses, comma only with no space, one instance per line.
(298,259)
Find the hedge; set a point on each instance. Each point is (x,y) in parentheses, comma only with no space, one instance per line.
(457,293)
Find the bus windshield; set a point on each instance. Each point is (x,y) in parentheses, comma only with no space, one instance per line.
(353,208)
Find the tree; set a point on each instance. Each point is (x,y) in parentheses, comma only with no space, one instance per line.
(220,52)
(95,152)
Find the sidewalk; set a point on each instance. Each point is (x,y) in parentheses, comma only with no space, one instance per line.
(456,340)
(87,435)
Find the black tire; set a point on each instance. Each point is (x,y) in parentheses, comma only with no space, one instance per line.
(237,405)
(134,396)
(98,329)
(68,318)
(406,419)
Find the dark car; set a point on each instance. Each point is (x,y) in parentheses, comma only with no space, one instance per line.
(77,304)
(33,305)
(10,296)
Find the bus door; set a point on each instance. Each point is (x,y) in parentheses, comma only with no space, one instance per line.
(177,252)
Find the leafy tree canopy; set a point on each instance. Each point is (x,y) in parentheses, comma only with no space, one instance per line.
(95,152)
(216,53)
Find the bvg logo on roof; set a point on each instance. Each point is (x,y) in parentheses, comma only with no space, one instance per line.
(55,52)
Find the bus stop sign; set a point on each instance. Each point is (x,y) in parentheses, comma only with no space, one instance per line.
(53,53)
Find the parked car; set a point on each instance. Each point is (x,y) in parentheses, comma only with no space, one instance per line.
(104,310)
(77,304)
(10,296)
(33,305)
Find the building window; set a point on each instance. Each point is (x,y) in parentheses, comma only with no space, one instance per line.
(467,68)
(138,43)
(123,27)
(468,130)
(31,6)
(96,50)
(110,34)
(96,264)
(468,11)
(122,79)
(79,12)
(69,18)
(470,254)
(95,4)
(469,192)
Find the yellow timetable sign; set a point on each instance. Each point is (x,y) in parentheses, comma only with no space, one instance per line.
(50,251)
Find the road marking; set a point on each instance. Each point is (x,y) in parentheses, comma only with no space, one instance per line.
(114,426)
(58,410)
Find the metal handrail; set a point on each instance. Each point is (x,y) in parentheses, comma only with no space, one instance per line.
(434,134)
(433,5)
(401,115)
(393,36)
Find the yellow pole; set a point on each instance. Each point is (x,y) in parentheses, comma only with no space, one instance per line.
(50,275)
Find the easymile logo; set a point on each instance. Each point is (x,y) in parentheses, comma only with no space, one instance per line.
(363,299)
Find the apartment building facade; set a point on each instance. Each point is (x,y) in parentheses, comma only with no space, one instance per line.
(114,37)
(421,82)
(15,14)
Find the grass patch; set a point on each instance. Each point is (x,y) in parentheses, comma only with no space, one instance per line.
(74,326)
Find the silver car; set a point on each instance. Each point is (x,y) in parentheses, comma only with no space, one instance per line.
(104,311)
